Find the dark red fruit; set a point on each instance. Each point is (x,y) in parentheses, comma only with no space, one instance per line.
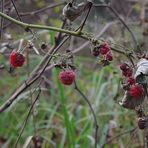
(67,77)
(136,91)
(109,56)
(142,123)
(104,49)
(131,81)
(128,72)
(16,59)
(123,66)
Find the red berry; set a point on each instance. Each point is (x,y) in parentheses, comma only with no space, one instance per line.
(131,81)
(136,91)
(67,77)
(123,66)
(104,49)
(109,56)
(16,59)
(128,72)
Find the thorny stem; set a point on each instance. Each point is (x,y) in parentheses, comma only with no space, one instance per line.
(73,33)
(28,26)
(27,117)
(92,110)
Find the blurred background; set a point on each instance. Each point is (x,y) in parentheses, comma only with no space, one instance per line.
(61,118)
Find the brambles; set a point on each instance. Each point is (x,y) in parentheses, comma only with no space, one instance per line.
(67,77)
(16,59)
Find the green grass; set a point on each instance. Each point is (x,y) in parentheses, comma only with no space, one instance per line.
(63,119)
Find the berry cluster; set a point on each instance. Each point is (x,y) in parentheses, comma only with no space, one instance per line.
(67,77)
(16,59)
(135,90)
(103,50)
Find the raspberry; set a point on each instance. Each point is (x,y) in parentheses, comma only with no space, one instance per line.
(109,56)
(123,66)
(131,81)
(16,59)
(136,91)
(128,72)
(67,77)
(104,49)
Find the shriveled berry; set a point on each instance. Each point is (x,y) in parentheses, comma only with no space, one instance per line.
(16,59)
(109,56)
(127,73)
(131,81)
(136,91)
(142,123)
(104,49)
(67,77)
(123,66)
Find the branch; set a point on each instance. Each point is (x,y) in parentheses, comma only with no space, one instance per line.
(1,21)
(26,119)
(28,26)
(119,135)
(42,9)
(16,10)
(121,20)
(36,12)
(92,110)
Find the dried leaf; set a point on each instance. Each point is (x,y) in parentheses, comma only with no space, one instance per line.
(142,68)
(71,11)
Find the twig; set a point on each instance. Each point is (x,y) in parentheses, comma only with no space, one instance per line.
(120,19)
(28,26)
(26,119)
(83,23)
(16,10)
(118,136)
(1,23)
(92,110)
(42,9)
(35,12)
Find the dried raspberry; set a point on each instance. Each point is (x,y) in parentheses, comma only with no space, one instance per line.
(124,66)
(104,49)
(128,72)
(142,123)
(136,91)
(67,77)
(16,59)
(131,81)
(109,56)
